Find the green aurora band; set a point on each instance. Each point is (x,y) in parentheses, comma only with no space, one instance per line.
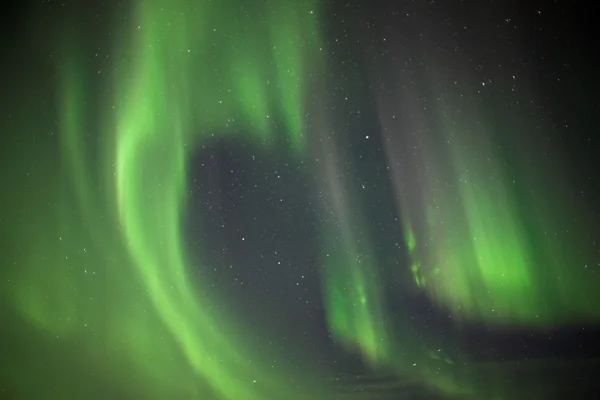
(355,296)
(351,286)
(489,248)
(108,272)
(184,75)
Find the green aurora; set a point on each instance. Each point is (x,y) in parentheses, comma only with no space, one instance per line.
(123,227)
(490,250)
(102,263)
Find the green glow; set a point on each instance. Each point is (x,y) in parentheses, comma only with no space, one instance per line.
(355,316)
(489,253)
(415,266)
(354,296)
(351,285)
(121,236)
(99,264)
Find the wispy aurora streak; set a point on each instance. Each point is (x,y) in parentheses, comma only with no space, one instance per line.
(357,310)
(352,291)
(482,246)
(355,304)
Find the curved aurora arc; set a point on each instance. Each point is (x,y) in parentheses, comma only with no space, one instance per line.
(124,226)
(156,130)
(119,238)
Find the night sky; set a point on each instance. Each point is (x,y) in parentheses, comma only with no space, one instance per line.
(294,200)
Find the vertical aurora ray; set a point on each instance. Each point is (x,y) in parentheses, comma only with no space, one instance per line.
(355,294)
(359,318)
(474,243)
(351,286)
(352,292)
(288,49)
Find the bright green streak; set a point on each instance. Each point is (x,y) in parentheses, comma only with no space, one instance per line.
(354,313)
(359,320)
(351,292)
(186,72)
(489,253)
(151,169)
(150,188)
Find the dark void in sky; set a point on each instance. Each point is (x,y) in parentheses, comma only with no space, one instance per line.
(294,200)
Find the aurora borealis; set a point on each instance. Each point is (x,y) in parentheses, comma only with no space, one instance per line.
(237,200)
